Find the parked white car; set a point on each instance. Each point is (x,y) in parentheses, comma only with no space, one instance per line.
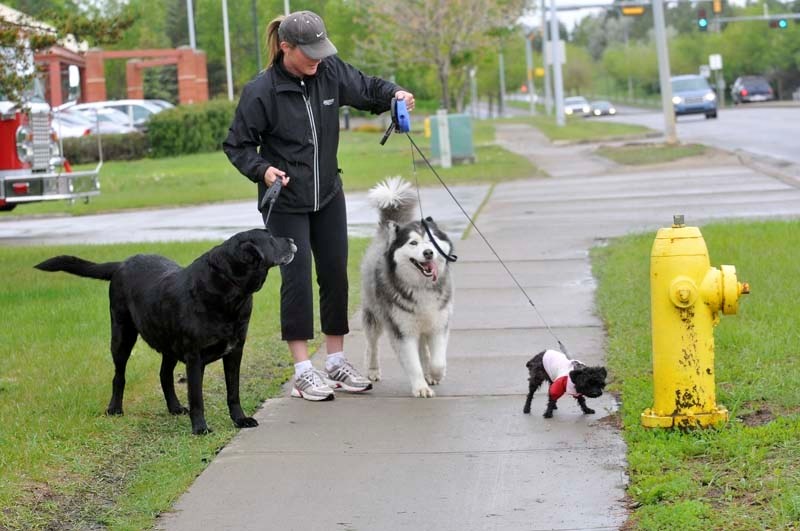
(164,104)
(137,111)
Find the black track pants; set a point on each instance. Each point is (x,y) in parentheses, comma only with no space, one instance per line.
(323,234)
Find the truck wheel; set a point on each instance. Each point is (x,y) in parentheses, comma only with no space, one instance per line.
(711,115)
(7,207)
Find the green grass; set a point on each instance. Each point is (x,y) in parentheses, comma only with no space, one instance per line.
(63,463)
(583,129)
(640,154)
(210,177)
(744,475)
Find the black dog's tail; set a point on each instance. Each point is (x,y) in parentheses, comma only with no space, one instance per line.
(80,267)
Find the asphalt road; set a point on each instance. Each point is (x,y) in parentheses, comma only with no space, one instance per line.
(757,129)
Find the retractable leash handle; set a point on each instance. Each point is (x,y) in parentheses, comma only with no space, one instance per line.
(270,196)
(401,120)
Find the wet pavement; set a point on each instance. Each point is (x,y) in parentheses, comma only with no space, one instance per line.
(217,221)
(469,459)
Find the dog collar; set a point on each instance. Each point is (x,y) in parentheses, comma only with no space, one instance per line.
(447,257)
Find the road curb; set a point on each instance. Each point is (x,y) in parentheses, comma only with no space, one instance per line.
(779,169)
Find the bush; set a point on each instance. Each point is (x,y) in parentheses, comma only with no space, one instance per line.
(129,146)
(190,128)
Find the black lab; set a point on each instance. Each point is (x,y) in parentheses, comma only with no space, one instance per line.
(197,314)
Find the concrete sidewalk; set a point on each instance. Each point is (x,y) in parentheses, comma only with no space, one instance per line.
(469,459)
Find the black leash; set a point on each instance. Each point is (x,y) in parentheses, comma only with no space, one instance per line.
(271,195)
(398,126)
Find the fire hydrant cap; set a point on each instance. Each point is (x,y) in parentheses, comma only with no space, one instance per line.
(682,241)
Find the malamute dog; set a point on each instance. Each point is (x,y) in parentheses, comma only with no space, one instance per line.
(407,289)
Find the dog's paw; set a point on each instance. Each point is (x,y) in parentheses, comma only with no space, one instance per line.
(588,411)
(422,392)
(435,376)
(202,430)
(246,422)
(374,375)
(179,410)
(548,414)
(526,410)
(114,411)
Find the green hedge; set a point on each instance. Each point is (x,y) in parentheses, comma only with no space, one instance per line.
(190,128)
(181,130)
(83,149)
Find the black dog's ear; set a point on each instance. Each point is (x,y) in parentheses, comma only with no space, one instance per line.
(578,376)
(603,372)
(252,253)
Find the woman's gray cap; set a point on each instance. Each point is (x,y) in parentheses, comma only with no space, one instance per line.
(306,30)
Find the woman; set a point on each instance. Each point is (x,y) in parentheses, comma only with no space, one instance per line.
(287,127)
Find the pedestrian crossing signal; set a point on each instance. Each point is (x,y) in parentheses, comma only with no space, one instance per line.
(716,6)
(780,23)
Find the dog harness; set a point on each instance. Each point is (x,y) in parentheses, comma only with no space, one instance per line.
(558,366)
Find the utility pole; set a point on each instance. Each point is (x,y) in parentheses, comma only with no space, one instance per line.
(286,10)
(625,27)
(663,72)
(501,103)
(529,66)
(558,82)
(227,38)
(548,92)
(473,87)
(190,18)
(255,34)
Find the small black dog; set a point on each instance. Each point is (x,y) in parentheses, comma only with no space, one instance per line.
(195,314)
(565,376)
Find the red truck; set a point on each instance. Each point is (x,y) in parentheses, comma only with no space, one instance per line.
(32,167)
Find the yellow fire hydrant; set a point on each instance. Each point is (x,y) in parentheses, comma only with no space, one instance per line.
(686,295)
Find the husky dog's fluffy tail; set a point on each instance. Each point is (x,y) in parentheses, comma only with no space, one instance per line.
(395,199)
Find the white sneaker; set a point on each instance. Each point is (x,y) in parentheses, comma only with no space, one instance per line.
(311,386)
(347,378)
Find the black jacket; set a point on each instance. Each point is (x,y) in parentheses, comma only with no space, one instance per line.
(295,123)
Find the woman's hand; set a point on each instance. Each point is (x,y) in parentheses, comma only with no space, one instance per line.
(407,97)
(272,174)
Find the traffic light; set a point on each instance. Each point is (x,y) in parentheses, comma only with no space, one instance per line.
(702,20)
(780,23)
(716,6)
(633,11)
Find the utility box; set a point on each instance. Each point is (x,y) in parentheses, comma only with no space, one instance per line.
(460,135)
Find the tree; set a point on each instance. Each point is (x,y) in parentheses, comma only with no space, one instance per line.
(445,34)
(22,35)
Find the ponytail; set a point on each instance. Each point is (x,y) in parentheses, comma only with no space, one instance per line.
(273,41)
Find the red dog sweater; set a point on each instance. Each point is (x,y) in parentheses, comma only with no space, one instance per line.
(557,366)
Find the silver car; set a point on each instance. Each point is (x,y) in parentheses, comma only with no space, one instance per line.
(577,106)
